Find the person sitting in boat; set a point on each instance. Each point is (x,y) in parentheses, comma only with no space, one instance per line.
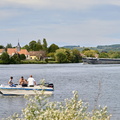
(31,81)
(10,82)
(23,82)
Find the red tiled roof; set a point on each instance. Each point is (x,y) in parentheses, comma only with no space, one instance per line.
(2,50)
(23,51)
(12,51)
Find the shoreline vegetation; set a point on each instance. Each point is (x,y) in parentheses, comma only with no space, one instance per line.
(40,108)
(33,62)
(39,53)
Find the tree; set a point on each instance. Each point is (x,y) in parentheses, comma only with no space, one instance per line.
(69,55)
(39,45)
(15,59)
(52,55)
(5,58)
(1,47)
(9,45)
(103,55)
(61,56)
(90,53)
(44,44)
(113,54)
(32,45)
(76,56)
(26,47)
(22,57)
(52,48)
(86,49)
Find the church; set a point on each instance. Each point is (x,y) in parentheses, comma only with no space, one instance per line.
(18,50)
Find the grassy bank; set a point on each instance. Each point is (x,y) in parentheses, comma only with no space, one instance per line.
(37,62)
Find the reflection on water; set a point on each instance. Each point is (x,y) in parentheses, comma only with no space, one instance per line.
(88,80)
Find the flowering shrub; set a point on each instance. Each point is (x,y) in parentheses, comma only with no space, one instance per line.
(40,108)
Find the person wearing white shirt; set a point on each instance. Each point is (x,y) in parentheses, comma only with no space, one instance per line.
(31,81)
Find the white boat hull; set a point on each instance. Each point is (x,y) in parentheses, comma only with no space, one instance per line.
(19,90)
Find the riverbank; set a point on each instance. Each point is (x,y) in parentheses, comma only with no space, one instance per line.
(31,62)
(35,62)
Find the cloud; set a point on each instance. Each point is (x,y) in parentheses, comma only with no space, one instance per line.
(92,33)
(77,22)
(58,4)
(87,33)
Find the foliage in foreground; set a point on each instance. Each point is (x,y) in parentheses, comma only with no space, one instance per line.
(40,108)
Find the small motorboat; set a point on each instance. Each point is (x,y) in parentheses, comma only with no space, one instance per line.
(20,90)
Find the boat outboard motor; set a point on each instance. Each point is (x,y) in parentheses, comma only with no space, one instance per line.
(51,85)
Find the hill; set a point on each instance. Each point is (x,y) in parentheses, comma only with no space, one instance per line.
(115,47)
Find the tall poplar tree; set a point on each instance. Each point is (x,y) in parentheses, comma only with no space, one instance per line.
(44,44)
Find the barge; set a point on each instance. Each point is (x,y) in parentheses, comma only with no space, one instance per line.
(91,60)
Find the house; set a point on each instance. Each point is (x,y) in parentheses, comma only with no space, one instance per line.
(18,50)
(12,51)
(1,51)
(39,55)
(25,52)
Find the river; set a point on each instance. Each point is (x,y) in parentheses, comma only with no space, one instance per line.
(88,80)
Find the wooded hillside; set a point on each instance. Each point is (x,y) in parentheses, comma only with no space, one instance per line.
(115,47)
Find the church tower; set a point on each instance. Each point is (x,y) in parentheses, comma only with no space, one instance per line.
(18,47)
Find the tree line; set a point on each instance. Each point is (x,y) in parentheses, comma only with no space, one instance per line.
(103,54)
(53,53)
(15,59)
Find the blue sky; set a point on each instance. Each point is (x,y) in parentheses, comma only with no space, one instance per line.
(86,23)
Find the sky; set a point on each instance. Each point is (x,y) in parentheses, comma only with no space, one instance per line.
(87,23)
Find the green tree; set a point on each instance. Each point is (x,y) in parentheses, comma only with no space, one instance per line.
(61,56)
(44,44)
(52,48)
(86,49)
(116,55)
(15,59)
(5,58)
(26,47)
(90,53)
(113,54)
(52,55)
(39,45)
(69,55)
(32,45)
(22,57)
(9,45)
(103,55)
(76,56)
(1,47)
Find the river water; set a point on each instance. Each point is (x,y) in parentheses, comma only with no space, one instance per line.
(88,80)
